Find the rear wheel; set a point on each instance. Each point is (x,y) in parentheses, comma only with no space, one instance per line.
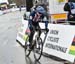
(38,48)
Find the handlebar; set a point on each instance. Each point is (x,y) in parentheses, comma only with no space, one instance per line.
(43,30)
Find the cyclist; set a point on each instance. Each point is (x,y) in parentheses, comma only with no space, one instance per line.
(35,17)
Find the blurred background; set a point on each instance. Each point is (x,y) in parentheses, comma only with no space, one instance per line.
(6,4)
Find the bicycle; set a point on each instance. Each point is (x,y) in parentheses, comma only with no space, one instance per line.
(36,47)
(42,40)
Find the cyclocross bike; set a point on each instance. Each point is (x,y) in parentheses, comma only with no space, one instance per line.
(37,44)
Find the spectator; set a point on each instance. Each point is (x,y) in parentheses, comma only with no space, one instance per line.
(70,8)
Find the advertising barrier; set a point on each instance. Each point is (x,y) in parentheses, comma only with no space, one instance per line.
(60,41)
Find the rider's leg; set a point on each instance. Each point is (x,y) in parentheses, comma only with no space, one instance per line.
(31,36)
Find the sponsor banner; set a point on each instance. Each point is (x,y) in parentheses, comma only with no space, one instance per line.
(60,41)
(72,47)
(59,16)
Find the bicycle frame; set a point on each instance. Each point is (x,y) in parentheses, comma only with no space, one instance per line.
(35,35)
(43,35)
(37,44)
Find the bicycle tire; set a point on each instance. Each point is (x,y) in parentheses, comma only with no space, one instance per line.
(27,52)
(39,54)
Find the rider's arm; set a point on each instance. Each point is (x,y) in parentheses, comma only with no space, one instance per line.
(46,24)
(45,20)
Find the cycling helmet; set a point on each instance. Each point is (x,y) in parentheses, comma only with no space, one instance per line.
(40,9)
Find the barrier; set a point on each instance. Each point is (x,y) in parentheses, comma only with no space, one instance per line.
(60,41)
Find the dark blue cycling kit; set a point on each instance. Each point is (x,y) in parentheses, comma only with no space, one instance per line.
(34,22)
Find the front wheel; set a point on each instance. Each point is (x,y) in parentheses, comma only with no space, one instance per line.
(38,48)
